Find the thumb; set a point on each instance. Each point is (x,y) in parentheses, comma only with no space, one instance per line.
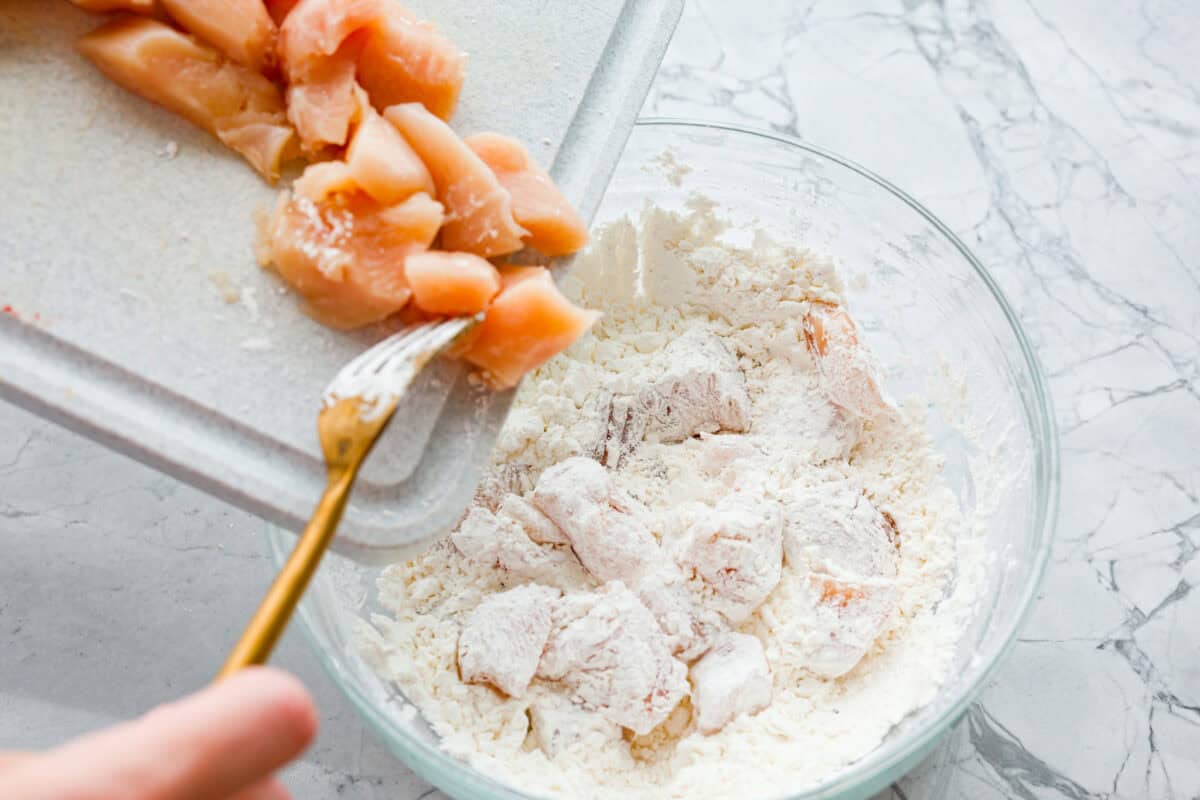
(208,746)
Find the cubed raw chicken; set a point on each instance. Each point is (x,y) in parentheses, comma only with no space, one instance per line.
(610,651)
(319,45)
(501,481)
(849,373)
(689,626)
(608,529)
(102,6)
(732,679)
(623,427)
(537,525)
(345,256)
(479,211)
(279,9)
(382,163)
(378,163)
(834,529)
(538,206)
(406,60)
(798,418)
(701,390)
(526,325)
(847,551)
(241,29)
(499,541)
(560,725)
(736,549)
(502,640)
(451,283)
(237,105)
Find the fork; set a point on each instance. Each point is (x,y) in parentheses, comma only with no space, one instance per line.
(358,404)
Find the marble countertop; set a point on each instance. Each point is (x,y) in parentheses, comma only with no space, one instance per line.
(1060,139)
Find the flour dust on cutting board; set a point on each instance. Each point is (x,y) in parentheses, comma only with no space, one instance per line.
(712,558)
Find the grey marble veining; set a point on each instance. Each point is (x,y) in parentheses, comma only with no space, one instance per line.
(1060,139)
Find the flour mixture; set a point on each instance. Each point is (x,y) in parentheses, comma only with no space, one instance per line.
(712,557)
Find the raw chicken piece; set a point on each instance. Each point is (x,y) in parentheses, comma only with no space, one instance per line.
(832,529)
(538,206)
(279,9)
(731,680)
(847,368)
(319,44)
(500,542)
(736,549)
(324,179)
(536,524)
(241,29)
(502,640)
(798,418)
(101,6)
(345,255)
(688,625)
(451,283)
(405,60)
(608,529)
(381,162)
(527,324)
(501,481)
(322,106)
(560,725)
(607,648)
(623,428)
(701,390)
(479,216)
(378,162)
(847,550)
(242,108)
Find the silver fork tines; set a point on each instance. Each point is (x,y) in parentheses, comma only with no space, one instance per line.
(381,375)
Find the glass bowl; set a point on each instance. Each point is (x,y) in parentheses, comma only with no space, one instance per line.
(942,330)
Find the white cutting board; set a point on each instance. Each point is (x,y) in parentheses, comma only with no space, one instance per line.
(138,314)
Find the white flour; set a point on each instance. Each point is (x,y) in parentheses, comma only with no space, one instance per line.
(670,287)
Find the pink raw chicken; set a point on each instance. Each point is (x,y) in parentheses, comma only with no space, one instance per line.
(382,163)
(344,254)
(242,108)
(538,206)
(479,217)
(503,638)
(378,162)
(610,651)
(324,44)
(279,9)
(527,324)
(405,60)
(848,372)
(241,29)
(100,6)
(451,283)
(319,43)
(607,528)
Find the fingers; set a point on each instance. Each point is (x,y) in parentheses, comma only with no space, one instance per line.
(213,744)
(10,758)
(270,789)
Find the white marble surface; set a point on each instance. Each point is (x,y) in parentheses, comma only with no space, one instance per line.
(1060,139)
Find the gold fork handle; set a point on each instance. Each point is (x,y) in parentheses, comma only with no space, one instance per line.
(271,618)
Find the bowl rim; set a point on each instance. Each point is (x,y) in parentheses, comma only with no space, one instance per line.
(890,755)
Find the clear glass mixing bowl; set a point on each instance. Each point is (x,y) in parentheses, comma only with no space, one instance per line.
(931,312)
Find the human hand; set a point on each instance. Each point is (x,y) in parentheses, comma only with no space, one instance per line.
(222,743)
